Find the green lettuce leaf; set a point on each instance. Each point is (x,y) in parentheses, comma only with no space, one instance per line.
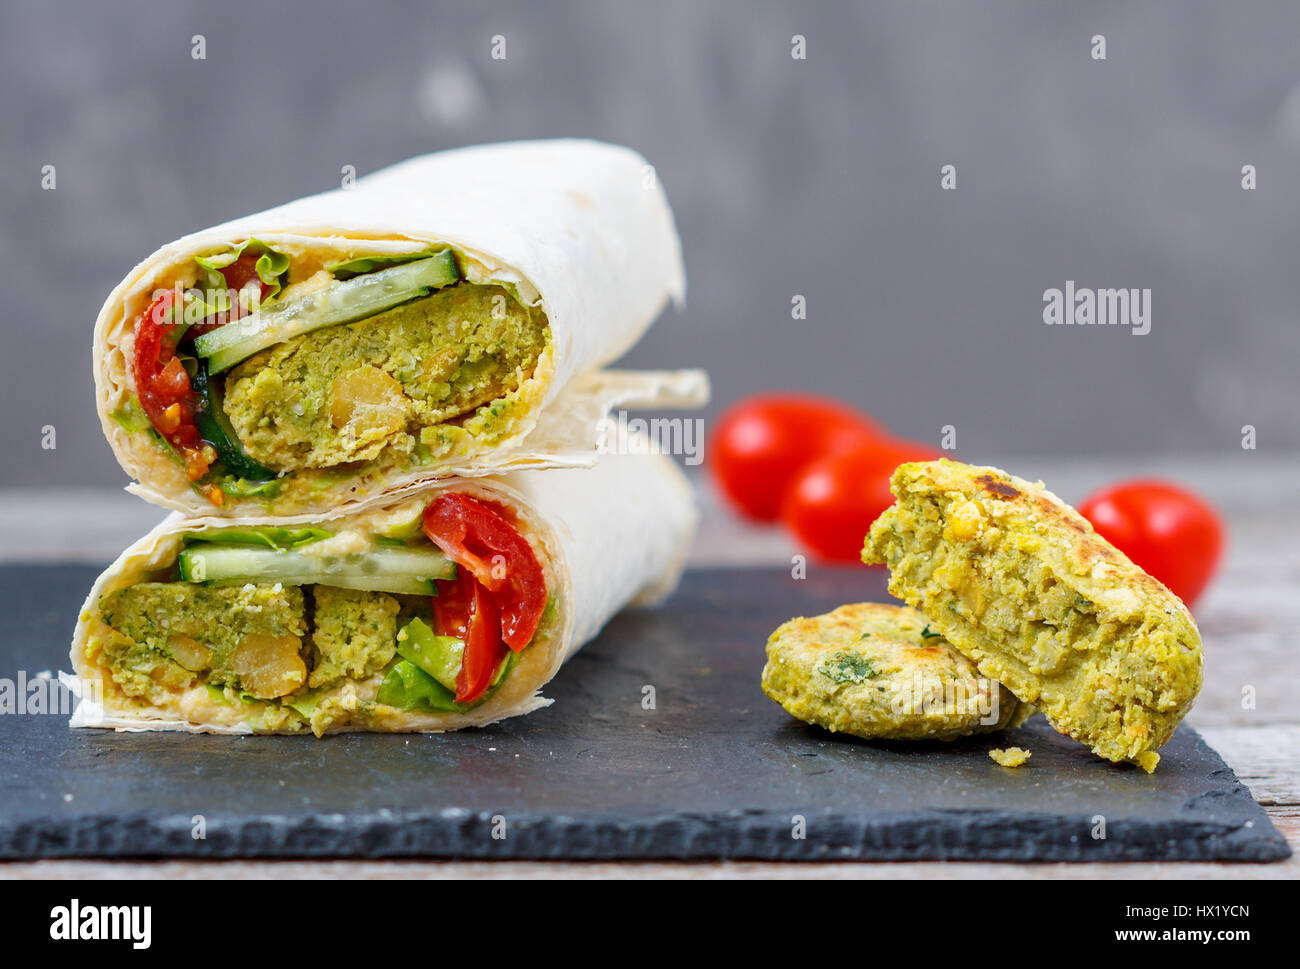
(304,703)
(407,687)
(244,488)
(131,416)
(271,265)
(270,536)
(439,656)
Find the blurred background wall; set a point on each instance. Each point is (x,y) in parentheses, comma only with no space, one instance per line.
(818,177)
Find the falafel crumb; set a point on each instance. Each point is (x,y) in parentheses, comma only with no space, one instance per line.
(1011,756)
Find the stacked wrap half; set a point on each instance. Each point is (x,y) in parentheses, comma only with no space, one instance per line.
(375,413)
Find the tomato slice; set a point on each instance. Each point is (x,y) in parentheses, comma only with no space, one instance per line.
(163,386)
(453,603)
(482,541)
(465,609)
(484,649)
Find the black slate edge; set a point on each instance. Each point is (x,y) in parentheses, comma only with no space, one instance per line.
(462,834)
(1200,812)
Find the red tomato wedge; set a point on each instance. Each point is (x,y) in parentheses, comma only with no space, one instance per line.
(483,542)
(453,604)
(761,443)
(163,386)
(464,608)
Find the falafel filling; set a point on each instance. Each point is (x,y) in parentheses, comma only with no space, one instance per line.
(282,644)
(382,387)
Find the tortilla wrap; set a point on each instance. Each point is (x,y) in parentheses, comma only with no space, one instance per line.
(606,537)
(578,229)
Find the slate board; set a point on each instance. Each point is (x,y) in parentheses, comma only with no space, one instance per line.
(716,770)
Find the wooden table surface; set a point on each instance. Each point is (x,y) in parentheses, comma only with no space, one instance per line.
(1250,621)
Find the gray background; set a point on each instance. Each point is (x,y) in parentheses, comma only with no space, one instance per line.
(818,177)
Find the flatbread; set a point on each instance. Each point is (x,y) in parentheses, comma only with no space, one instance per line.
(581,229)
(610,536)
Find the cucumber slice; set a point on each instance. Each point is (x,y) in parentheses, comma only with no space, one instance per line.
(340,302)
(368,264)
(400,570)
(402,523)
(215,428)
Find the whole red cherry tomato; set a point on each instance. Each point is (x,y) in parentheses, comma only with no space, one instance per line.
(762,442)
(834,500)
(1166,530)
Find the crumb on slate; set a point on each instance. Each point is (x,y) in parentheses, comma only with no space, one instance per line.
(1011,756)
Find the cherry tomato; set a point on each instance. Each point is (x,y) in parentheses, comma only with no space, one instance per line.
(762,442)
(834,500)
(1166,530)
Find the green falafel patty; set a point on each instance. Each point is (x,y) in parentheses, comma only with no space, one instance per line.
(380,389)
(354,634)
(878,671)
(1020,583)
(280,644)
(167,634)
